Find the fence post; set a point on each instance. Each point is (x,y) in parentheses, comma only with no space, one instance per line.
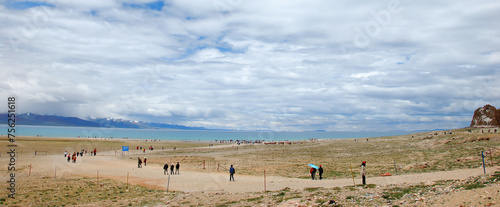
(168,183)
(55,173)
(491,158)
(396,167)
(352,173)
(265,181)
(484,167)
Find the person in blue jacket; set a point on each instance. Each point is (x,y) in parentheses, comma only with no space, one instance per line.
(231,173)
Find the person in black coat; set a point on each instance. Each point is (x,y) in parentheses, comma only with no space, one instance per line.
(177,168)
(165,169)
(320,170)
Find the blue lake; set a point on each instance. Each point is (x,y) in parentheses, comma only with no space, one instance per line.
(189,135)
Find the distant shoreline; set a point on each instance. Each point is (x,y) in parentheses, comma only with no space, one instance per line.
(191,135)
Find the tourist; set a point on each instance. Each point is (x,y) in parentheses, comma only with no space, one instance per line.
(231,173)
(363,172)
(177,168)
(313,173)
(165,169)
(69,158)
(145,160)
(320,171)
(65,153)
(139,162)
(95,151)
(172,169)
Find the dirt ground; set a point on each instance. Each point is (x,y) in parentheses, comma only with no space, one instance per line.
(204,180)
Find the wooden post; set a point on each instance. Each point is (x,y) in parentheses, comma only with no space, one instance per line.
(218,164)
(168,183)
(30,170)
(203,164)
(484,167)
(352,173)
(55,173)
(491,158)
(265,181)
(395,167)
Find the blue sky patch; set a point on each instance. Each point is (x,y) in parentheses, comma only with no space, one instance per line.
(157,5)
(20,5)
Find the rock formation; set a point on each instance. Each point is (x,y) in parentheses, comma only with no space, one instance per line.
(486,116)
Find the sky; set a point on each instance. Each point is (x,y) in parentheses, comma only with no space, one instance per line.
(254,65)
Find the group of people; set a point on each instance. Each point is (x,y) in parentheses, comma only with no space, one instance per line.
(165,169)
(313,172)
(76,154)
(320,170)
(139,162)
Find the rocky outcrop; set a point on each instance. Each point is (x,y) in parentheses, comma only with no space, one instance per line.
(486,116)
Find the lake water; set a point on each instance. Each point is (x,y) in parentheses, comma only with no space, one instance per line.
(189,135)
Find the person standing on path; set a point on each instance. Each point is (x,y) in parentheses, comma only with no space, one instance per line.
(139,162)
(172,169)
(145,160)
(177,168)
(95,151)
(313,173)
(363,172)
(231,173)
(165,169)
(320,171)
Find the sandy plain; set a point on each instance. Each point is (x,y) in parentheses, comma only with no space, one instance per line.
(433,169)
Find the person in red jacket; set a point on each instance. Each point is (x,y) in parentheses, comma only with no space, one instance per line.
(313,173)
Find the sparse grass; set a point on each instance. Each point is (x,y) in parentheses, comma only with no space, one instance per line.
(254,199)
(78,191)
(336,156)
(398,193)
(311,189)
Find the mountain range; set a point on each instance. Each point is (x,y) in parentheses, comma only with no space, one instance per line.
(54,120)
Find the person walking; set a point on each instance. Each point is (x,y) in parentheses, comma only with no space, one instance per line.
(165,169)
(363,172)
(145,160)
(177,166)
(172,169)
(320,171)
(69,158)
(95,151)
(313,173)
(139,162)
(231,173)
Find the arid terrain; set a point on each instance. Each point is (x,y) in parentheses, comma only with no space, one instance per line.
(442,168)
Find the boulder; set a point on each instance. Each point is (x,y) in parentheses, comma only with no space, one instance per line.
(484,116)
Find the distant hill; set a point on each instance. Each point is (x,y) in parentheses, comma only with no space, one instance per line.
(53,120)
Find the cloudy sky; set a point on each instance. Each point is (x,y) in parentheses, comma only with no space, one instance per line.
(254,65)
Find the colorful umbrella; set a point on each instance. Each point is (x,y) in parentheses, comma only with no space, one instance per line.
(313,166)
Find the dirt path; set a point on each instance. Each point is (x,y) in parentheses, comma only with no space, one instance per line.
(152,176)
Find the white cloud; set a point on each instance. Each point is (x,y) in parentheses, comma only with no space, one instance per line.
(276,65)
